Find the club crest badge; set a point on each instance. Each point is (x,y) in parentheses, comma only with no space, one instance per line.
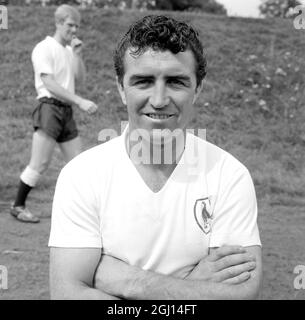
(203,214)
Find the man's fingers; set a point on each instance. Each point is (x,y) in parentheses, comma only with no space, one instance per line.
(235,271)
(76,42)
(238,279)
(225,251)
(88,106)
(92,109)
(233,260)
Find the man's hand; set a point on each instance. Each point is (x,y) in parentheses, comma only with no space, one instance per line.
(227,264)
(86,105)
(77,46)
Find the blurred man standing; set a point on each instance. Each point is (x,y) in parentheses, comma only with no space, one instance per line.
(57,63)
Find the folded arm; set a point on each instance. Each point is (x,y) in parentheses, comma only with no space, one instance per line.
(227,273)
(72,272)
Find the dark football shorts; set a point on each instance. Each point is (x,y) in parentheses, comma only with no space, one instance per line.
(55,118)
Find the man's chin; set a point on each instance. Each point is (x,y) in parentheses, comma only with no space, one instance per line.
(165,136)
(69,40)
(156,136)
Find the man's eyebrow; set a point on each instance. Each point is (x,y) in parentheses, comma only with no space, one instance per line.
(73,24)
(175,76)
(139,77)
(179,76)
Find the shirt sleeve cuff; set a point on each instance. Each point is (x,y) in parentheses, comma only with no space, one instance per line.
(68,242)
(241,240)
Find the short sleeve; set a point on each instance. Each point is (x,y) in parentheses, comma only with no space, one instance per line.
(75,220)
(42,60)
(235,213)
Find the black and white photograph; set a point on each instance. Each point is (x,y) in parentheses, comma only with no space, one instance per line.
(152,150)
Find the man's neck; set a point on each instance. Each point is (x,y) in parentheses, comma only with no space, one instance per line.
(158,157)
(59,39)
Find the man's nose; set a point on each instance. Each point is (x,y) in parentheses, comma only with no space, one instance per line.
(159,97)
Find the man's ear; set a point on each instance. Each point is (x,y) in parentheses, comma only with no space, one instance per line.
(59,24)
(121,90)
(198,91)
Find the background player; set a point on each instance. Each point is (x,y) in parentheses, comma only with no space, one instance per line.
(57,63)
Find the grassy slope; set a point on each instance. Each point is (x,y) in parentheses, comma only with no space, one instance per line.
(244,56)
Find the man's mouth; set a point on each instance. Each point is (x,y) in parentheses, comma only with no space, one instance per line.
(159,116)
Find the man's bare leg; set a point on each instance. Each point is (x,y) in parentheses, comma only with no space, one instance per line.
(42,150)
(71,148)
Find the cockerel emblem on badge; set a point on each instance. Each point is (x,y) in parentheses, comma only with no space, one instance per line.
(203,215)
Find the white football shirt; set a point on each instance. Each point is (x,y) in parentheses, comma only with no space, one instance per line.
(50,57)
(102,201)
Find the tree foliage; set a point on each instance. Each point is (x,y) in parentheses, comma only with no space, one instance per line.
(211,6)
(278,8)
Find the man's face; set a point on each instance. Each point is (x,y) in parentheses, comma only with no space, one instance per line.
(68,29)
(159,89)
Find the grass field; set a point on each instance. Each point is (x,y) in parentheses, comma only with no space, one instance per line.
(252,106)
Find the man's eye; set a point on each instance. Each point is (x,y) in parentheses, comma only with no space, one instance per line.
(176,82)
(143,82)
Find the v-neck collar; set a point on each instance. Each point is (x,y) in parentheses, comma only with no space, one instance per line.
(58,43)
(139,176)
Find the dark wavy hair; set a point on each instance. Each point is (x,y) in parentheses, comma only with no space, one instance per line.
(160,33)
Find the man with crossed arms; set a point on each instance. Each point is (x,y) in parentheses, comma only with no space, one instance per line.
(175,223)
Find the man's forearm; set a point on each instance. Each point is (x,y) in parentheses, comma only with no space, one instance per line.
(152,286)
(80,292)
(60,92)
(226,273)
(79,69)
(130,282)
